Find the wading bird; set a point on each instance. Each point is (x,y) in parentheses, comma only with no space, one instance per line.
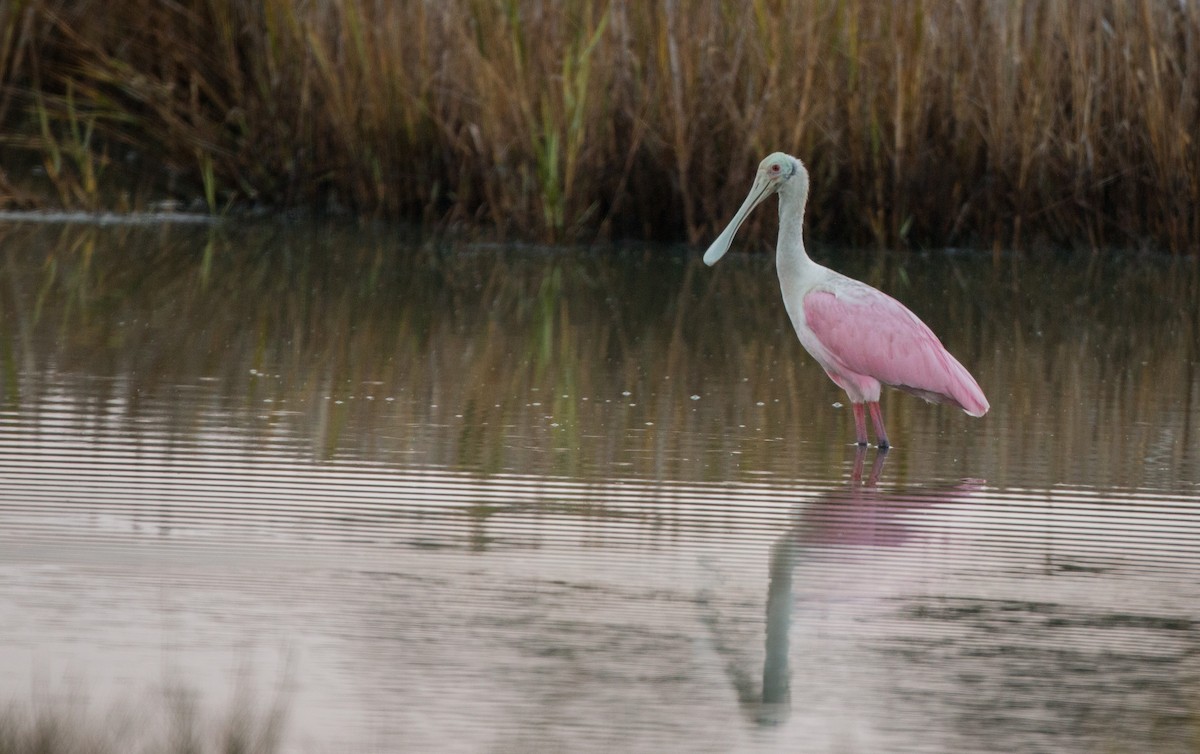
(862,337)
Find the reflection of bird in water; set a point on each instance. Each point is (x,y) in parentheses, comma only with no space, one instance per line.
(862,337)
(876,468)
(857,518)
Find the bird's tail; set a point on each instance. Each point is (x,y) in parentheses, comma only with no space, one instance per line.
(965,390)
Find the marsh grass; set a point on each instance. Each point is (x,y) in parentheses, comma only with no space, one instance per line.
(931,122)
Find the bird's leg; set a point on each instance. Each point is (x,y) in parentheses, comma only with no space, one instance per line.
(860,424)
(877,420)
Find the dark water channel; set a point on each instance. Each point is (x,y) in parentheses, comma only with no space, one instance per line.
(394,496)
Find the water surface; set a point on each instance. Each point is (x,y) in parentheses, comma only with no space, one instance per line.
(424,497)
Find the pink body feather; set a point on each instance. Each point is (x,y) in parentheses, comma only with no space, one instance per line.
(866,338)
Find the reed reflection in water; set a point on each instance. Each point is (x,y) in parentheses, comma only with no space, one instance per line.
(482,497)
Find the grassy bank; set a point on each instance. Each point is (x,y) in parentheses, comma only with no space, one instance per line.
(927,122)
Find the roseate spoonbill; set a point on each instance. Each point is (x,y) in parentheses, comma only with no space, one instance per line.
(862,337)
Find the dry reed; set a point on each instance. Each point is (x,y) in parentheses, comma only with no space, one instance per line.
(932,122)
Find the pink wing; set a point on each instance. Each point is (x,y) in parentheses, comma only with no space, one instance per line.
(870,333)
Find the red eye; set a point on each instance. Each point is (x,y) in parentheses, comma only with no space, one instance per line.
(774,168)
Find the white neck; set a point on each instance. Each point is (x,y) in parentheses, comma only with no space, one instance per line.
(790,257)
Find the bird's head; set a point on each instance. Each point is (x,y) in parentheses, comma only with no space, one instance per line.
(779,173)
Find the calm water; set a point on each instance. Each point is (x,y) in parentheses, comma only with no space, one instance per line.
(504,500)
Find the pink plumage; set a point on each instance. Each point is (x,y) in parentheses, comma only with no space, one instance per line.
(873,338)
(862,337)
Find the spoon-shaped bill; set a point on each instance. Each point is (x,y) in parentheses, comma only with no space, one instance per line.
(761,190)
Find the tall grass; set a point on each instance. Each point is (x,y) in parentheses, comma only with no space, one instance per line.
(925,122)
